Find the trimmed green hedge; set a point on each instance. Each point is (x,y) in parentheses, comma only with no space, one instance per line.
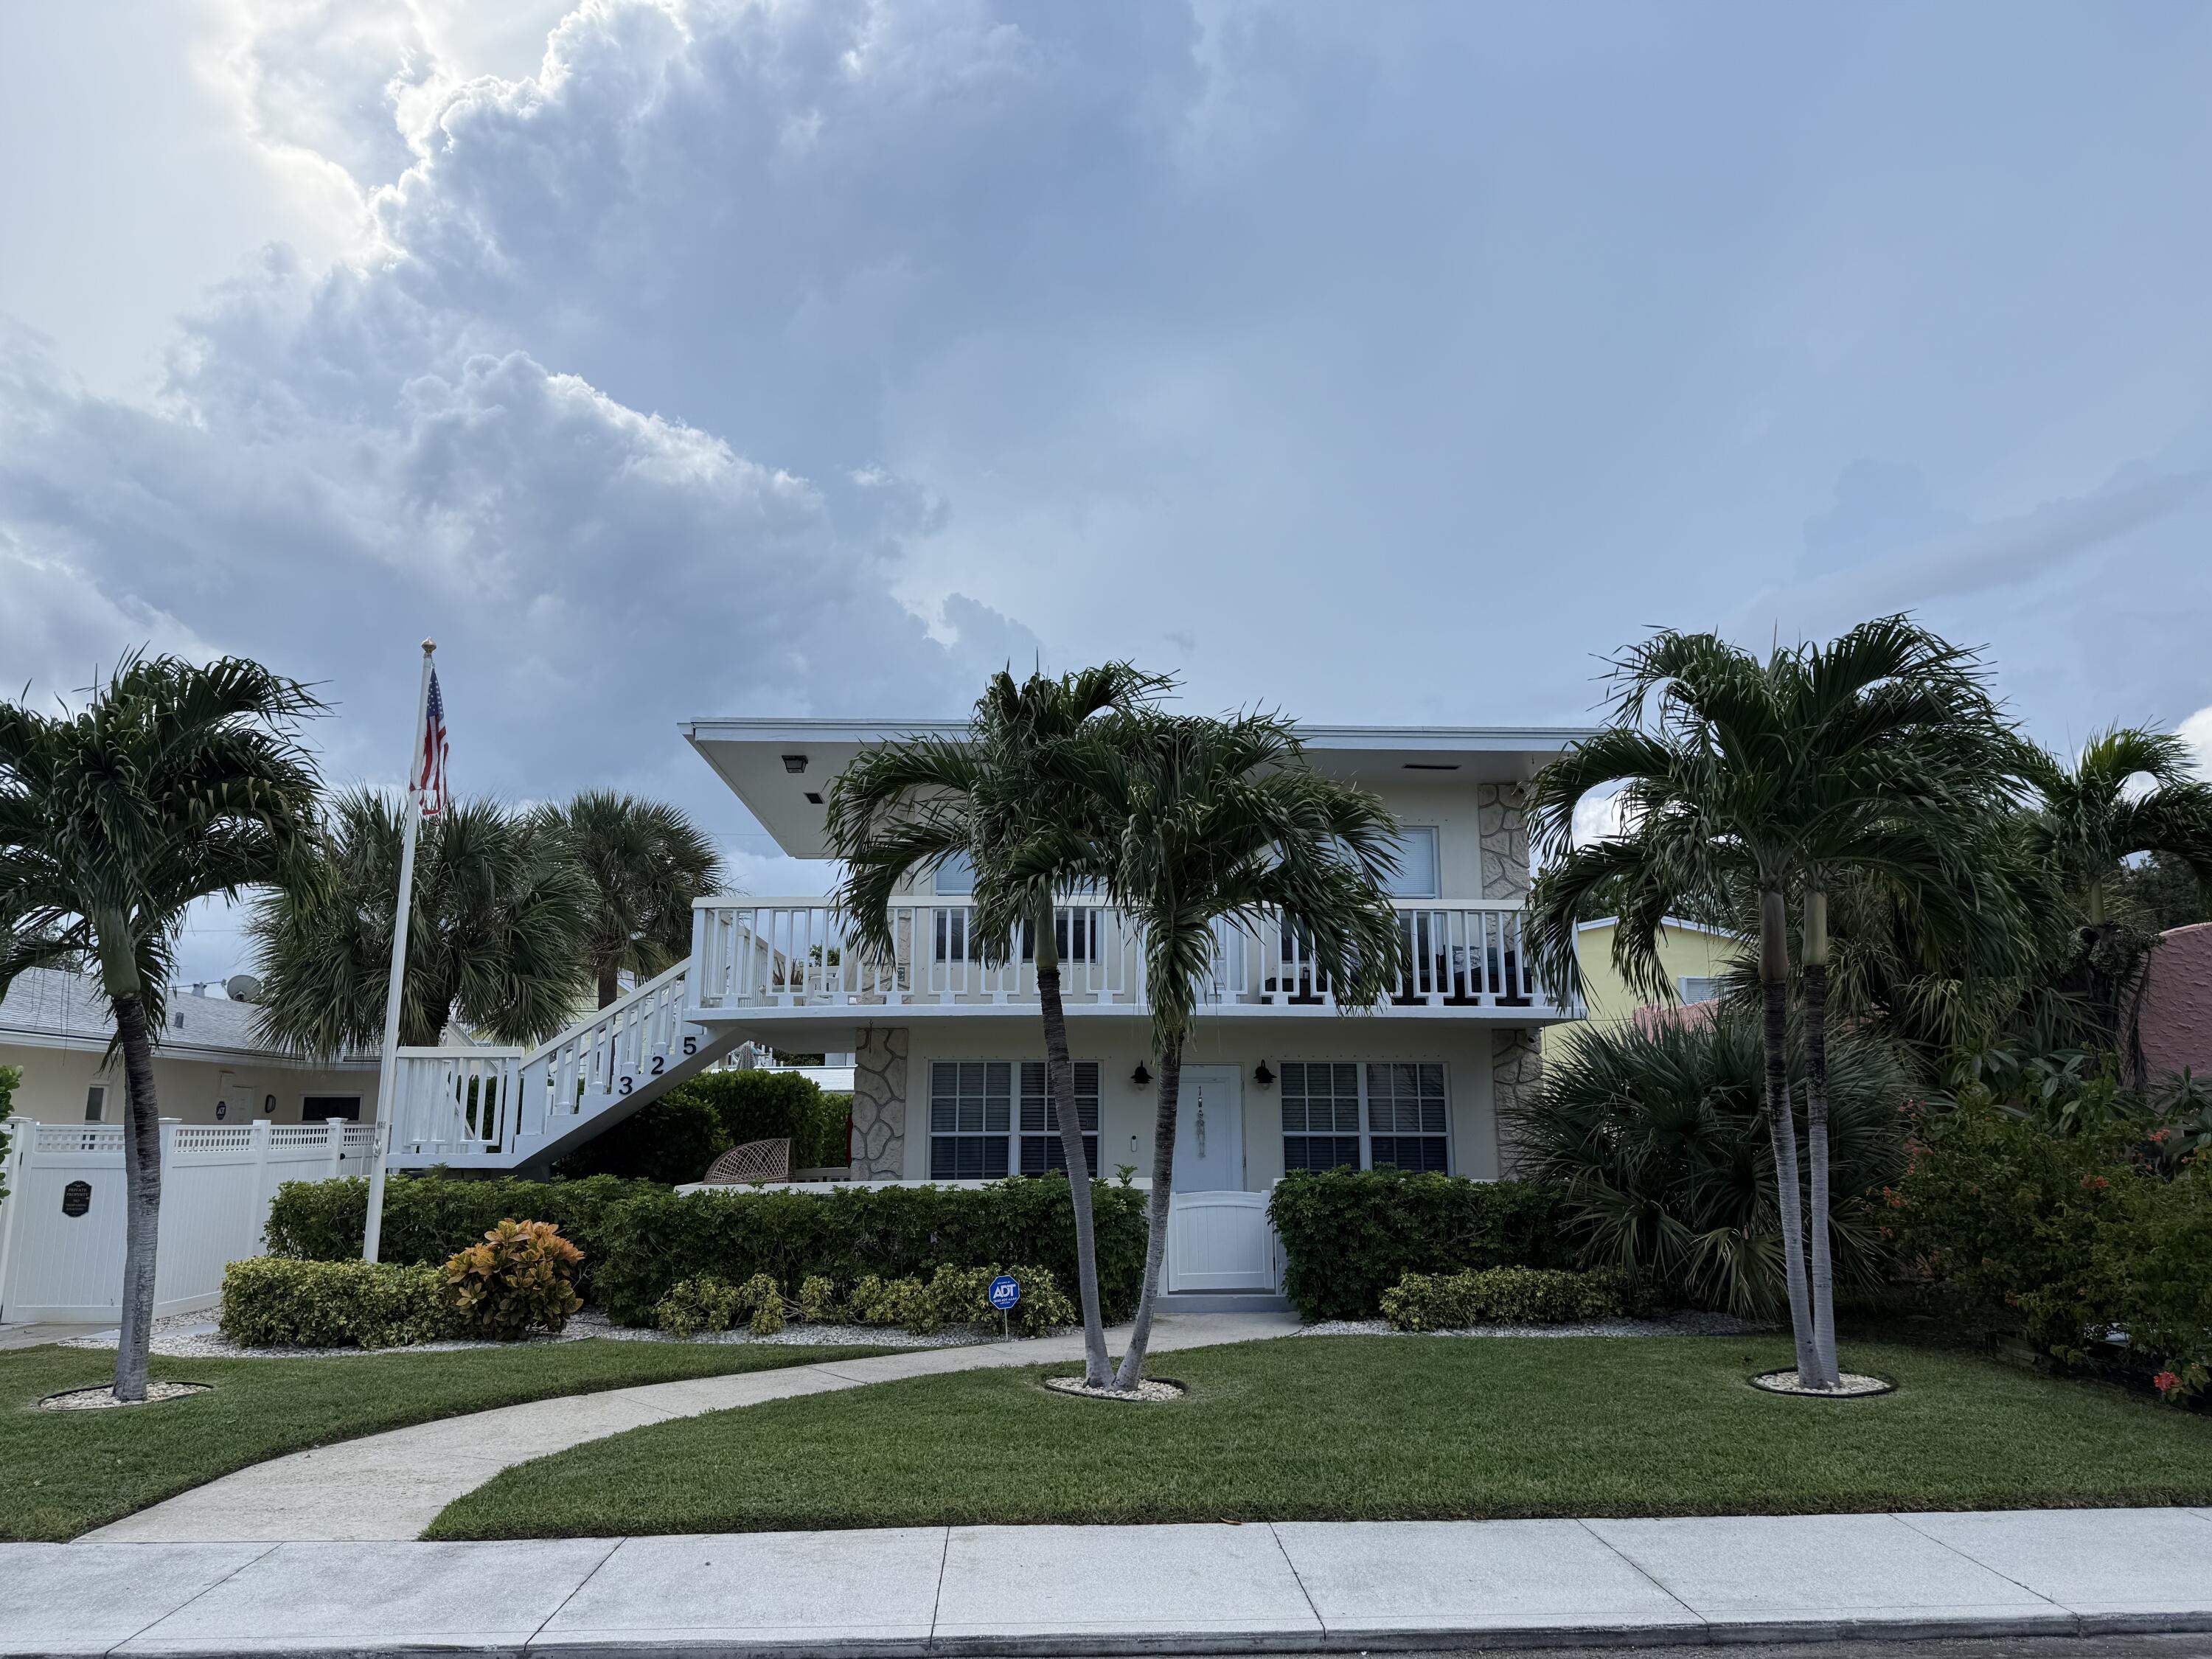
(1350,1234)
(270,1302)
(1504,1295)
(426,1218)
(652,1242)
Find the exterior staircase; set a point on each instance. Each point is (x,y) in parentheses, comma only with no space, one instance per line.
(512,1109)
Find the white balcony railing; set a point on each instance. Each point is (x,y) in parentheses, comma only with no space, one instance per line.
(774,953)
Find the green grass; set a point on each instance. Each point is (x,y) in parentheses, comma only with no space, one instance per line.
(62,1473)
(1372,1428)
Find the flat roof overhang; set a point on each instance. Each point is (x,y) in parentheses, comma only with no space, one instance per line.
(778,767)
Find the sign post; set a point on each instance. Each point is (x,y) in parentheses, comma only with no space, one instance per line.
(1005,1291)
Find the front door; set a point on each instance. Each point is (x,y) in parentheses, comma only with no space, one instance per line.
(1210,1131)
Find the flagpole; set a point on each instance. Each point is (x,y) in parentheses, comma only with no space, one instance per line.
(387,1070)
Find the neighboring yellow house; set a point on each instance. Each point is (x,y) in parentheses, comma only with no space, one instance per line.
(1695,957)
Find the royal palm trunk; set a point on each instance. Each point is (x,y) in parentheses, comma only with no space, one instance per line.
(1781,1128)
(1162,1196)
(1059,1073)
(1816,1136)
(142,1197)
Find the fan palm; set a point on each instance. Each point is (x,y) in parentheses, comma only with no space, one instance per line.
(1880,755)
(175,783)
(495,943)
(908,808)
(645,862)
(1220,825)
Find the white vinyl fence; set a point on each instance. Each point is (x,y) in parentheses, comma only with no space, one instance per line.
(61,1225)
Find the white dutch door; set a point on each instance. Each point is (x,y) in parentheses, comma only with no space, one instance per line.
(1218,1234)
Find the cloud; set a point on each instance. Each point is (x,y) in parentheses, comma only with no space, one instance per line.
(2196,732)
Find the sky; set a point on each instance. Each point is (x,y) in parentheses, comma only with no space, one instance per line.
(667,358)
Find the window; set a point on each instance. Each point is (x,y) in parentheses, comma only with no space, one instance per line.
(1416,865)
(1320,1116)
(1041,1148)
(957,875)
(1700,987)
(95,1102)
(970,1119)
(1384,1112)
(1406,1115)
(321,1109)
(1074,931)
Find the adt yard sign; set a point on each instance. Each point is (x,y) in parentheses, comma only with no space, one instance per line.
(1005,1290)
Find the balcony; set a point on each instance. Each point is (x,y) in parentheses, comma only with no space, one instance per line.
(751,955)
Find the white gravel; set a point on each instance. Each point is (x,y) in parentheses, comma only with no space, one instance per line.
(196,1336)
(1148,1389)
(103,1397)
(1685,1323)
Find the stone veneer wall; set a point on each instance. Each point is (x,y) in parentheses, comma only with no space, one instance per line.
(1517,1064)
(1502,818)
(879,1103)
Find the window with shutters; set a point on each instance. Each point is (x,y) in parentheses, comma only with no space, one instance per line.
(1406,1115)
(1339,1114)
(1320,1116)
(970,1119)
(1041,1149)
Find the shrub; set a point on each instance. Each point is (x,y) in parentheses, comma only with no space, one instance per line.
(1504,1295)
(2065,1241)
(274,1301)
(1350,1234)
(655,1239)
(1657,1140)
(427,1218)
(9,1077)
(952,1296)
(709,1303)
(521,1278)
(670,1141)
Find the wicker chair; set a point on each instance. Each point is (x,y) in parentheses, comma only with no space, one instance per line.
(754,1162)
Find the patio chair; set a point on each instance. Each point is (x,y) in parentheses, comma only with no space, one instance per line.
(754,1161)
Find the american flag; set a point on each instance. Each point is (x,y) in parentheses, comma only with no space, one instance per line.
(430,764)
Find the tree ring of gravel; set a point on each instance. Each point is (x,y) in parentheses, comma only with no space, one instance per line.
(1151,1391)
(103,1397)
(1850,1385)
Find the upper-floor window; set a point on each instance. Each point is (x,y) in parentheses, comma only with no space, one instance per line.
(956,876)
(1416,864)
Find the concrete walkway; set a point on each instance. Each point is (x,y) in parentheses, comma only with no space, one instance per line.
(390,1486)
(2111,1575)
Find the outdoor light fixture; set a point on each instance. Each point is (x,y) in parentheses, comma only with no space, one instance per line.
(794,763)
(1140,1077)
(813,797)
(1262,1076)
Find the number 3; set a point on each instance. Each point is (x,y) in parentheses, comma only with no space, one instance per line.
(624,1089)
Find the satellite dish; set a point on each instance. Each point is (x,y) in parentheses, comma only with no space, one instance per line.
(243,987)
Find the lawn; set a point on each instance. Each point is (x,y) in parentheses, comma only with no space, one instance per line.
(62,1473)
(1373,1428)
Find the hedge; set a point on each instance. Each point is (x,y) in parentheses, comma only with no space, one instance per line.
(1350,1234)
(675,1138)
(655,1240)
(271,1301)
(426,1218)
(1504,1295)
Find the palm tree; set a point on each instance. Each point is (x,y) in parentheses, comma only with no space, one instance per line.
(174,783)
(2096,813)
(496,942)
(908,809)
(645,862)
(1881,754)
(1220,825)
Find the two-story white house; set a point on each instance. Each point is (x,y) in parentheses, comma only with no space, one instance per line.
(949,1075)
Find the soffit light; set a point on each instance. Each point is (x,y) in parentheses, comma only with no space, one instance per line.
(794,763)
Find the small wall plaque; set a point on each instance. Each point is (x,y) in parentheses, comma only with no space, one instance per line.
(77,1198)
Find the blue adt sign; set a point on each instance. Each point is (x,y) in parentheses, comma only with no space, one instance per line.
(1005,1290)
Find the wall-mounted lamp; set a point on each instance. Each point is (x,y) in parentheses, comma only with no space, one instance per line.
(1140,1077)
(794,763)
(1262,1076)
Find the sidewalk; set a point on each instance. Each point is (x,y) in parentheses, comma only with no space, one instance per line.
(1056,1591)
(390,1486)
